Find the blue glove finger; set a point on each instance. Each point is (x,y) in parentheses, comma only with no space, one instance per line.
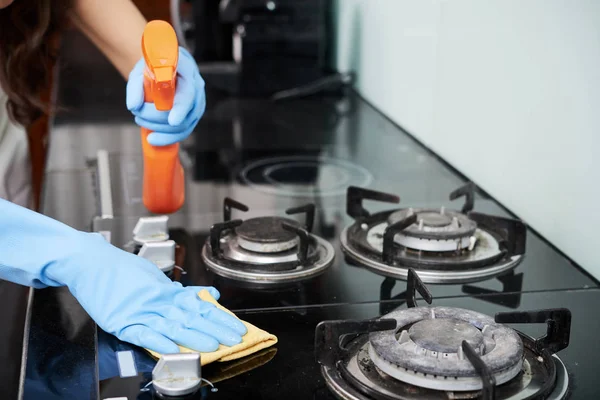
(157,121)
(190,90)
(148,113)
(185,52)
(222,318)
(164,139)
(194,320)
(191,303)
(186,65)
(220,332)
(158,127)
(185,94)
(197,289)
(192,118)
(185,337)
(135,86)
(199,105)
(143,336)
(188,299)
(151,118)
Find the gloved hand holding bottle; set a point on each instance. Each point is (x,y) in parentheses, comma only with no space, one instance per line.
(126,295)
(189,105)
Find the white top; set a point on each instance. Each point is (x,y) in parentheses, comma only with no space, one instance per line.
(15,166)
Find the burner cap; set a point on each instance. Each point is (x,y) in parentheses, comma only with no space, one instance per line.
(266,235)
(445,335)
(435,220)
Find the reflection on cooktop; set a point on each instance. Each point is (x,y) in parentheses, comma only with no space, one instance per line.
(304,176)
(295,173)
(512,284)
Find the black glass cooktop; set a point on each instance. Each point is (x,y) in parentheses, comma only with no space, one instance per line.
(273,157)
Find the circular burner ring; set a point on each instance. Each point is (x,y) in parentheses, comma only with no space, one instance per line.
(375,240)
(431,268)
(500,348)
(433,253)
(266,235)
(321,252)
(356,377)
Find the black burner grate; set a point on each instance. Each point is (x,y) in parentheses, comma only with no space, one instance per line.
(270,245)
(390,242)
(338,341)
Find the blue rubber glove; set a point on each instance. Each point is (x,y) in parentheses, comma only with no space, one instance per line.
(126,295)
(169,127)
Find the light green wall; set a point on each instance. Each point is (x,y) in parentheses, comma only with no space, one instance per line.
(508,91)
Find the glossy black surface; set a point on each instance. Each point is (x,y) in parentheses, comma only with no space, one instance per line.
(329,140)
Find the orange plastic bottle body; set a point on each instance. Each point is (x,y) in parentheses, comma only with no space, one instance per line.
(164,183)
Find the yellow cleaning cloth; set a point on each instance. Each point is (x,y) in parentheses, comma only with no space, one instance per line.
(254,340)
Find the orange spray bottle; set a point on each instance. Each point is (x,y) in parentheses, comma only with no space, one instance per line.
(163,184)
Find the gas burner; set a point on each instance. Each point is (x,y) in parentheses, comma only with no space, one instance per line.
(266,251)
(443,353)
(427,350)
(445,246)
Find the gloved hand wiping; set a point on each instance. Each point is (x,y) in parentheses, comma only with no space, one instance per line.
(188,107)
(126,295)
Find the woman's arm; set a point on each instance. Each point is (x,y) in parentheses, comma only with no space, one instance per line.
(127,295)
(115,27)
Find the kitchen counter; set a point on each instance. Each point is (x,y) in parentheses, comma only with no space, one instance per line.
(352,143)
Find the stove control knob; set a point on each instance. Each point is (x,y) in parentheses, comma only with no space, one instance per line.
(177,374)
(151,229)
(160,253)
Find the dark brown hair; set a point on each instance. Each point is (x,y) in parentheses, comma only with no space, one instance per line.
(28,48)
